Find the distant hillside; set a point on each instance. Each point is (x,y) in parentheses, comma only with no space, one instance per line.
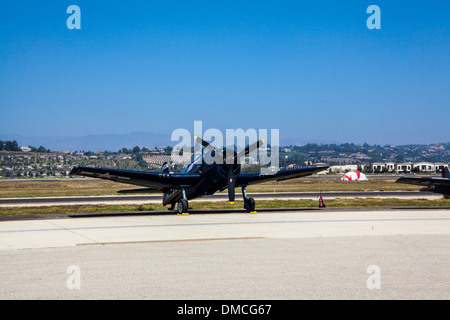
(350,153)
(114,142)
(290,153)
(95,143)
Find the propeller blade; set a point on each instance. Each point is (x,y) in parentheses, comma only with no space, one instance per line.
(204,143)
(250,148)
(231,179)
(209,146)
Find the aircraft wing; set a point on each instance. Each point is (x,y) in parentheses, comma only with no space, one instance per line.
(431,184)
(425,181)
(156,180)
(253,178)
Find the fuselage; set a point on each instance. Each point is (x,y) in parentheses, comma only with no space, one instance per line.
(213,178)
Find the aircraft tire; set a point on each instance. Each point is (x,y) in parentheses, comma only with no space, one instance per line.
(251,205)
(182,206)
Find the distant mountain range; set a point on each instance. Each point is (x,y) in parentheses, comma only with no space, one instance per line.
(115,142)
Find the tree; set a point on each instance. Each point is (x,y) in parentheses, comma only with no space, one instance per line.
(136,149)
(12,146)
(168,150)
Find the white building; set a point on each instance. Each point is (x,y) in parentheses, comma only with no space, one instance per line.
(440,165)
(343,168)
(404,167)
(424,167)
(427,167)
(378,166)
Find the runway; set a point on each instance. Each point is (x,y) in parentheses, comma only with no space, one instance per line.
(285,254)
(102,229)
(157,198)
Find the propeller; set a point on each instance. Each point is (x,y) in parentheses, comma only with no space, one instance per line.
(231,177)
(241,154)
(208,146)
(204,143)
(250,148)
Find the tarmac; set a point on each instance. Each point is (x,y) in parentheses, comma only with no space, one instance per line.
(280,254)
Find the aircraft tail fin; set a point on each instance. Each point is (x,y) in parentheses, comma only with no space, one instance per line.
(445,173)
(165,168)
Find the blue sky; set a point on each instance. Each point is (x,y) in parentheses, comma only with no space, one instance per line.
(309,68)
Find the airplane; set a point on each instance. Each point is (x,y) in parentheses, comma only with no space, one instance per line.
(431,184)
(199,177)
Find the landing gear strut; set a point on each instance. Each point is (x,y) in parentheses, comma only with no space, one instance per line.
(249,203)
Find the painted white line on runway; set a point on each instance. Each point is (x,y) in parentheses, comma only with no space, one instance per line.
(169,241)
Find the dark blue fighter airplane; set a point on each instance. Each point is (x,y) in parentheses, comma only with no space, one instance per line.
(431,184)
(199,177)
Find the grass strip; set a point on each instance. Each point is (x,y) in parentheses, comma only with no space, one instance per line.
(97,187)
(217,205)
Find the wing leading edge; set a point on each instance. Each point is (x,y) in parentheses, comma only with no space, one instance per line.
(156,180)
(253,178)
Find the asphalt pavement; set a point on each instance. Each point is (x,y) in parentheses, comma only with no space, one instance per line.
(295,254)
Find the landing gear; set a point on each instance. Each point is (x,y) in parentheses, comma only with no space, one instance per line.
(249,203)
(183,206)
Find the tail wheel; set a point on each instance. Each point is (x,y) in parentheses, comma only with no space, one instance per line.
(182,206)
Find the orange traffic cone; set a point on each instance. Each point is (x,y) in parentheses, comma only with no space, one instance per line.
(321,203)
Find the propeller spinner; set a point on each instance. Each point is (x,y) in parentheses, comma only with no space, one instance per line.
(231,176)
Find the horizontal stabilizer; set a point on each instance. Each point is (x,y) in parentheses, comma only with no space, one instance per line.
(141,190)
